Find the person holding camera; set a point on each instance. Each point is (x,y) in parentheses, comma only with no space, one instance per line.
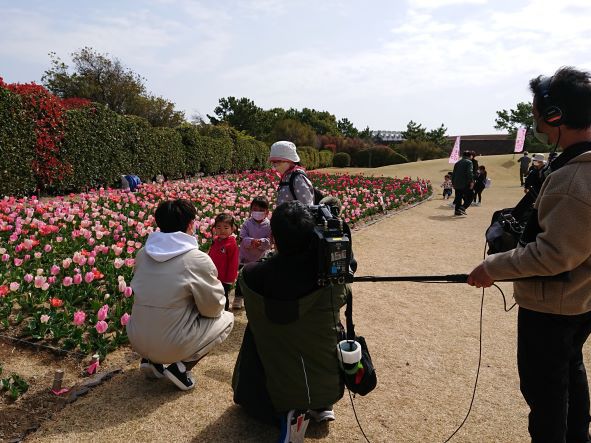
(287,369)
(178,311)
(554,319)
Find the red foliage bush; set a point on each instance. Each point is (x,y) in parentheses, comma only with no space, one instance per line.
(75,103)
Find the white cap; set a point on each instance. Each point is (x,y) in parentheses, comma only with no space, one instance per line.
(539,158)
(284,150)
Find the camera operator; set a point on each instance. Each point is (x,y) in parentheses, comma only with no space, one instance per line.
(554,319)
(287,368)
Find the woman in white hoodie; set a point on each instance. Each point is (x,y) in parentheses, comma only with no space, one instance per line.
(178,311)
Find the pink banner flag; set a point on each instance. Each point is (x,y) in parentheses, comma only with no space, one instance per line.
(520,139)
(455,152)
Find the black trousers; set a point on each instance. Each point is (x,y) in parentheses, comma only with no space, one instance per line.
(463,198)
(552,375)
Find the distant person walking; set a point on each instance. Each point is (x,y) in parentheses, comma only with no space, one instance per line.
(463,181)
(479,184)
(523,166)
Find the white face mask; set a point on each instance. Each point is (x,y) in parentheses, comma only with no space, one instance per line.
(258,216)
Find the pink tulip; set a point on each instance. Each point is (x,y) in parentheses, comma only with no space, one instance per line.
(103,312)
(101,326)
(44,318)
(47,248)
(52,279)
(14,286)
(122,285)
(45,286)
(91,261)
(28,278)
(77,279)
(39,281)
(67,281)
(66,263)
(54,270)
(128,292)
(124,319)
(37,255)
(88,277)
(79,318)
(118,262)
(5,257)
(18,261)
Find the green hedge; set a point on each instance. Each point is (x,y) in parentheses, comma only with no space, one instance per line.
(309,157)
(377,156)
(101,145)
(341,160)
(325,158)
(17,146)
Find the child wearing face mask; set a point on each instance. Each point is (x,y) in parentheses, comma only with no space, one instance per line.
(286,161)
(255,239)
(224,252)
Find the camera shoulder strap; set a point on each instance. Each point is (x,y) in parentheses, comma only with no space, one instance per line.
(349,316)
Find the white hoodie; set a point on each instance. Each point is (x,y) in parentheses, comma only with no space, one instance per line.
(163,246)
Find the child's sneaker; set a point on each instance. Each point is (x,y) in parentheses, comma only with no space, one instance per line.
(293,426)
(320,415)
(151,370)
(178,374)
(238,303)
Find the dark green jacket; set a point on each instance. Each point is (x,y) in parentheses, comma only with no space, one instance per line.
(463,173)
(296,342)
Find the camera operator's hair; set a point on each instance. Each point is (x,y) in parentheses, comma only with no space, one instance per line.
(292,225)
(175,215)
(261,201)
(570,90)
(224,218)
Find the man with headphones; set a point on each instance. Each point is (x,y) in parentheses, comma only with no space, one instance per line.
(554,319)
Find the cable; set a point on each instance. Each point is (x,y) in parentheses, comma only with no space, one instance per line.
(336,324)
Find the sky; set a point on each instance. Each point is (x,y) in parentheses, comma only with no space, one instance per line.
(379,63)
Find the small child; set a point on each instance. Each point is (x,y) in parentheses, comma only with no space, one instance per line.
(447,187)
(479,184)
(224,252)
(255,239)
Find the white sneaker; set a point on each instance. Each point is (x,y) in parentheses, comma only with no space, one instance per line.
(293,427)
(320,415)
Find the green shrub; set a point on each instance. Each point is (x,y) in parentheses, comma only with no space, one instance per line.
(309,157)
(262,155)
(221,148)
(341,160)
(415,150)
(377,156)
(193,156)
(325,158)
(17,145)
(245,153)
(169,151)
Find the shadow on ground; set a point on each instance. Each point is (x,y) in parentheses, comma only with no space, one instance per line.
(234,425)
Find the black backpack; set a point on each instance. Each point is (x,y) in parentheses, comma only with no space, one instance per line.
(318,195)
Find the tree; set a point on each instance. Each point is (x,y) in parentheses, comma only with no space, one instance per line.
(512,119)
(322,122)
(415,131)
(105,80)
(294,131)
(522,116)
(243,115)
(346,128)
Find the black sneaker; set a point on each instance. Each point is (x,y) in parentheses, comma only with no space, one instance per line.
(151,370)
(178,374)
(293,426)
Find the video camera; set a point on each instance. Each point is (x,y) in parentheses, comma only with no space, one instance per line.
(334,246)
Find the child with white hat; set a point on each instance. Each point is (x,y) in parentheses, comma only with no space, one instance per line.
(294,184)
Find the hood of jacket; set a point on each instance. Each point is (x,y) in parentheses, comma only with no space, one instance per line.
(163,246)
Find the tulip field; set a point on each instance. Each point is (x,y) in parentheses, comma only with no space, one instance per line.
(66,262)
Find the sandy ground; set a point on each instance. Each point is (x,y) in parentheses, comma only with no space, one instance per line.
(423,339)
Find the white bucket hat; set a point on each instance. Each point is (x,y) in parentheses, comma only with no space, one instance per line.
(539,158)
(284,150)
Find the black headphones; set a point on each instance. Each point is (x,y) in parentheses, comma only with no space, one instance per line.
(551,114)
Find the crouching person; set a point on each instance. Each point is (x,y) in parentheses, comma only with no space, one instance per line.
(287,369)
(178,312)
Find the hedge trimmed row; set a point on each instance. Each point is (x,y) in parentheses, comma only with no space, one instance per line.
(99,145)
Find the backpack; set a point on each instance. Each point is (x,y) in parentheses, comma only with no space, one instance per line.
(318,195)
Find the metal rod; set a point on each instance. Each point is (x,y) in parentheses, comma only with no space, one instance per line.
(452,278)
